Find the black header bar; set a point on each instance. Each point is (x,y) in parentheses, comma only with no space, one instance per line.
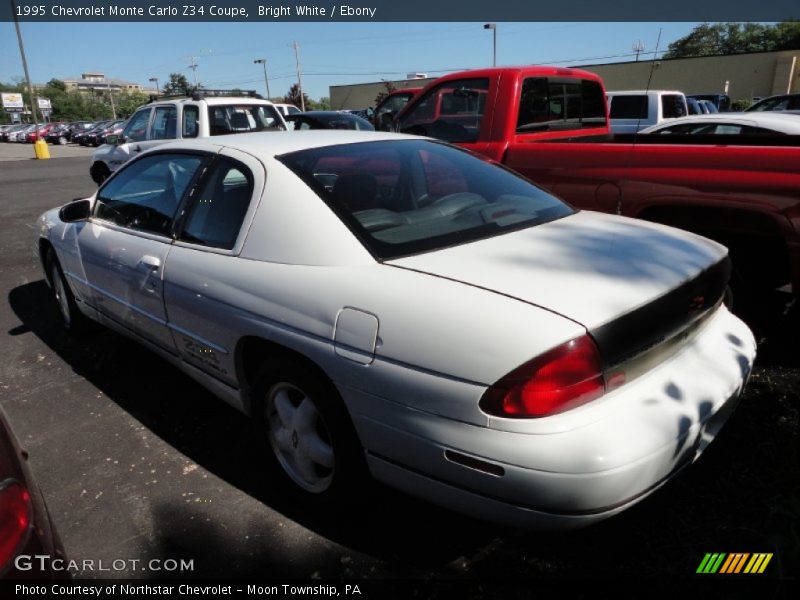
(399,11)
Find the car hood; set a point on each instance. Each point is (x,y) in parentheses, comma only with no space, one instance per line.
(588,267)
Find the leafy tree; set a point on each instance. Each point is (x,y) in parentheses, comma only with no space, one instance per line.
(127,103)
(709,39)
(57,84)
(177,84)
(293,97)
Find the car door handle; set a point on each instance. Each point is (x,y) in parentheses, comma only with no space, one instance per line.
(137,148)
(150,261)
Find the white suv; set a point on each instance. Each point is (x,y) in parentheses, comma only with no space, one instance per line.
(182,118)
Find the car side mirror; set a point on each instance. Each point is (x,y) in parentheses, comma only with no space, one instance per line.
(77,210)
(114,139)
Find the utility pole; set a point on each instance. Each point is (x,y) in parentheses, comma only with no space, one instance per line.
(34,100)
(296,47)
(193,67)
(111,97)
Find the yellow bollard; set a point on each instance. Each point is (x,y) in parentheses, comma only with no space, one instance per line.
(41,150)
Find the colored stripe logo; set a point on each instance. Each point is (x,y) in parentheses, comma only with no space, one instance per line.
(737,562)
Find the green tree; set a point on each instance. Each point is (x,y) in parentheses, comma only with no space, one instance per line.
(709,39)
(293,97)
(177,84)
(127,103)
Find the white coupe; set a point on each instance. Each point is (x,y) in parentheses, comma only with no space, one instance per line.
(393,306)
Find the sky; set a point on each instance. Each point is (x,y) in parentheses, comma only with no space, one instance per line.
(330,53)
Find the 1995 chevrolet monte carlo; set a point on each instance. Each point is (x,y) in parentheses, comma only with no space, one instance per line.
(394,306)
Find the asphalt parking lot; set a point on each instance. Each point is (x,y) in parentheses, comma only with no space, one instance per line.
(139,462)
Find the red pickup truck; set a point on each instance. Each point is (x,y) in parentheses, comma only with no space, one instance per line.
(551,125)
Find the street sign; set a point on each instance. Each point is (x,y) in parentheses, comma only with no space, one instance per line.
(12,102)
(44,104)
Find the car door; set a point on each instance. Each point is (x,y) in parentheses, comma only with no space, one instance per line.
(125,244)
(163,128)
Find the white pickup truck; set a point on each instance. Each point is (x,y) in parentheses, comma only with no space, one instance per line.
(631,111)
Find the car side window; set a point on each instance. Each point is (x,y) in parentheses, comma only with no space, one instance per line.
(452,111)
(191,125)
(145,195)
(672,106)
(164,123)
(218,211)
(136,130)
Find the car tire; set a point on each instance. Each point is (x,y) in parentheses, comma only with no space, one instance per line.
(99,172)
(62,141)
(72,319)
(311,444)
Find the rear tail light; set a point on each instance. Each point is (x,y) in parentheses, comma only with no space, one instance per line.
(563,378)
(15,519)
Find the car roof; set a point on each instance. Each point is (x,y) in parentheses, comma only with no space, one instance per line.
(642,92)
(786,123)
(268,144)
(211,100)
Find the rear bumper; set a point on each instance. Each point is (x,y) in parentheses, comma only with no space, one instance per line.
(579,468)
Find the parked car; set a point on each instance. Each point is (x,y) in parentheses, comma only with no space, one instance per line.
(97,137)
(41,132)
(9,134)
(396,306)
(721,102)
(364,113)
(288,109)
(63,135)
(774,103)
(388,108)
(766,123)
(21,135)
(26,530)
(4,129)
(327,119)
(709,107)
(204,114)
(632,111)
(695,108)
(84,138)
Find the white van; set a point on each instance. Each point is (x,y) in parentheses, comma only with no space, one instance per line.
(632,111)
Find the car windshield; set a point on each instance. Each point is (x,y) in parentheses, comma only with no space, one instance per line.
(402,197)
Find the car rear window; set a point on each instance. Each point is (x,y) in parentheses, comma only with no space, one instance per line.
(560,104)
(242,118)
(403,197)
(628,107)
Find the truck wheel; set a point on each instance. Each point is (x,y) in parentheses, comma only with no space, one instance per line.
(311,443)
(72,319)
(99,173)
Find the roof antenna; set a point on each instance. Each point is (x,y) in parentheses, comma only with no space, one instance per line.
(653,65)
